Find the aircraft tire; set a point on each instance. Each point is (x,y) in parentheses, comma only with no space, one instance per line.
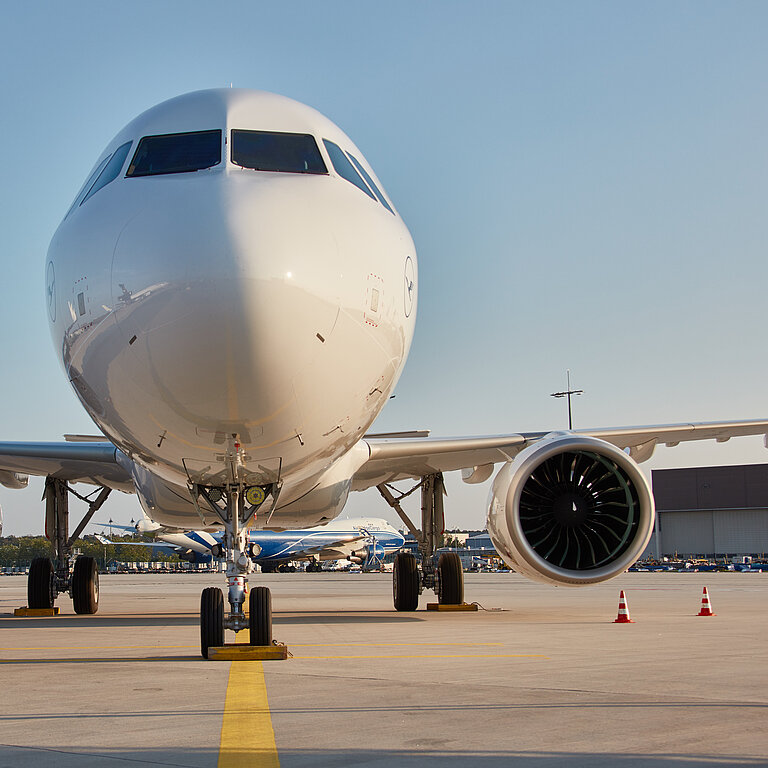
(211,619)
(260,616)
(85,585)
(405,582)
(41,584)
(450,579)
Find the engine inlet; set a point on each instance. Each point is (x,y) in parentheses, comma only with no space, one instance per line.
(579,510)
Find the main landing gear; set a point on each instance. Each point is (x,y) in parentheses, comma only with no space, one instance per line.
(65,573)
(447,578)
(236,505)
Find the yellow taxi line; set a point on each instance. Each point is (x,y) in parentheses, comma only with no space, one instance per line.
(388,645)
(433,656)
(247,736)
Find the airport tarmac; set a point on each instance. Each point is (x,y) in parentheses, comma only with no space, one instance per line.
(549,680)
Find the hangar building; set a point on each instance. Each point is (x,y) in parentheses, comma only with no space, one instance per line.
(710,511)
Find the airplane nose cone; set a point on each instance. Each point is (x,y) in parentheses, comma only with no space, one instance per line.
(220,309)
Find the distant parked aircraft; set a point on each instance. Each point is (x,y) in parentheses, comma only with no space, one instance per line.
(363,540)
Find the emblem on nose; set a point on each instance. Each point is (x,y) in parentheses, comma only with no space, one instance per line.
(50,282)
(410,278)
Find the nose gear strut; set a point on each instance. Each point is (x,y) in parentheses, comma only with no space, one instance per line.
(235,503)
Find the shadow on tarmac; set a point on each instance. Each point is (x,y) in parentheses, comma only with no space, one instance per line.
(192,619)
(320,758)
(126,620)
(545,759)
(102,660)
(458,708)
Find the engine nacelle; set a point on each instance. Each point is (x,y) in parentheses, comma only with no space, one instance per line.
(369,550)
(570,510)
(13,480)
(190,556)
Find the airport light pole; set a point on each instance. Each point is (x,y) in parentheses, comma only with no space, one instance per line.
(567,393)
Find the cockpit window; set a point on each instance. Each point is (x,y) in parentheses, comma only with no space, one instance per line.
(88,184)
(344,168)
(369,181)
(283,152)
(176,153)
(110,171)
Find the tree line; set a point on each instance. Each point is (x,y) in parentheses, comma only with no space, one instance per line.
(19,551)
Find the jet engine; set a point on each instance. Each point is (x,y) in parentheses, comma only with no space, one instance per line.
(13,480)
(570,510)
(190,556)
(369,550)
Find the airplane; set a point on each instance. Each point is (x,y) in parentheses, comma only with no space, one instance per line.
(232,297)
(361,540)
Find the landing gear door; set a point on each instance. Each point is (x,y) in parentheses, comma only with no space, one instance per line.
(250,471)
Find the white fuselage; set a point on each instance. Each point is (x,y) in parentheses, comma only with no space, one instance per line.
(194,310)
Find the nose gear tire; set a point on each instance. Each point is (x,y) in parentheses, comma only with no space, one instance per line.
(260,616)
(211,619)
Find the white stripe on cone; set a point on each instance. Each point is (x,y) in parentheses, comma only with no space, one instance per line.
(706,606)
(623,617)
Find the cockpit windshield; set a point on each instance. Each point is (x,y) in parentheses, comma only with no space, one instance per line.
(176,153)
(282,152)
(345,169)
(110,171)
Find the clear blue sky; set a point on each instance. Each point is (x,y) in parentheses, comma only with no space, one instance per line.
(586,184)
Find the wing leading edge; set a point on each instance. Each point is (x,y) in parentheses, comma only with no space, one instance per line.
(391,460)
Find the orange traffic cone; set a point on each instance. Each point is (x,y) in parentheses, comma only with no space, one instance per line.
(623,617)
(706,606)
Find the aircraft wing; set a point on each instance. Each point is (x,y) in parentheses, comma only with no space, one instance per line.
(391,460)
(93,463)
(332,550)
(151,544)
(120,527)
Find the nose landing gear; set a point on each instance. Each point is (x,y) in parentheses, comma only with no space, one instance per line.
(236,506)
